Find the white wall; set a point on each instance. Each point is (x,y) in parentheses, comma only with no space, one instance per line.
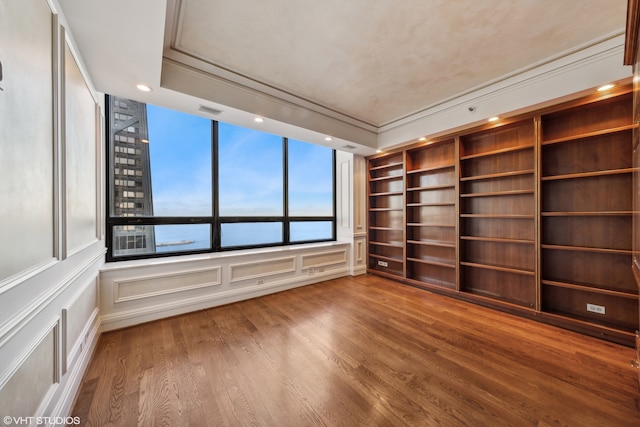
(51,243)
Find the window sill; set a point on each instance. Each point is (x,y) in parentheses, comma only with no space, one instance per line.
(219,256)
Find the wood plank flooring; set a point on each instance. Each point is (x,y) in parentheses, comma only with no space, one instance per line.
(356,351)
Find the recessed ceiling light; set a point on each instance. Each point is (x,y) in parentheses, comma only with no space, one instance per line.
(494,119)
(146,141)
(328,138)
(605,87)
(378,151)
(422,139)
(258,120)
(143,88)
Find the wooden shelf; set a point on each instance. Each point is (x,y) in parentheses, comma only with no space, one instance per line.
(429,224)
(386,178)
(499,268)
(394,165)
(431,169)
(497,240)
(497,216)
(388,193)
(604,213)
(432,262)
(388,244)
(498,175)
(431,187)
(496,152)
(589,134)
(589,288)
(498,193)
(586,249)
(589,174)
(386,258)
(417,205)
(385,228)
(432,243)
(385,209)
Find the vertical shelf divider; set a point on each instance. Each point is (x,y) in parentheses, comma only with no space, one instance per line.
(457,208)
(537,174)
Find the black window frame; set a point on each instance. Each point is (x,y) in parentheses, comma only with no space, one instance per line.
(215,221)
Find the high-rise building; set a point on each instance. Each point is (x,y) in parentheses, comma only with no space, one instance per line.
(130,181)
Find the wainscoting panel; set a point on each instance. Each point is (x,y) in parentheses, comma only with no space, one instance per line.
(27,383)
(255,269)
(168,283)
(324,259)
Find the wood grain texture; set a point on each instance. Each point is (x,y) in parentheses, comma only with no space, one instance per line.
(363,351)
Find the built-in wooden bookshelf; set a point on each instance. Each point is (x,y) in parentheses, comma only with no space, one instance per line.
(586,214)
(532,215)
(497,213)
(431,214)
(386,215)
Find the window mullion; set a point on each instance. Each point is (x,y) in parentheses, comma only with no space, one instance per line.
(216,229)
(285,196)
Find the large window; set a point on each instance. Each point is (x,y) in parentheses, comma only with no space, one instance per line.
(179,184)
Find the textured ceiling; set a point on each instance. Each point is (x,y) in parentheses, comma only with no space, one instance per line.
(379,61)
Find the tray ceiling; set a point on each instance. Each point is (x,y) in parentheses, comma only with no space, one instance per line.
(358,65)
(379,61)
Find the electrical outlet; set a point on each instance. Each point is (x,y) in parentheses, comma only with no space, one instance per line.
(595,308)
(383,263)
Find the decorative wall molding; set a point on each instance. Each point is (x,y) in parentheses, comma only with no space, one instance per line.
(323,259)
(14,366)
(161,284)
(71,357)
(345,194)
(77,346)
(25,275)
(75,373)
(13,325)
(256,269)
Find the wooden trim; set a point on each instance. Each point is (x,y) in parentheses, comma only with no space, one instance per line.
(632,30)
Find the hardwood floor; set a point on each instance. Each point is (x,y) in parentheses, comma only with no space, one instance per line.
(356,351)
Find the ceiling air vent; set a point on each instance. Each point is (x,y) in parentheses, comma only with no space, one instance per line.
(349,146)
(209,110)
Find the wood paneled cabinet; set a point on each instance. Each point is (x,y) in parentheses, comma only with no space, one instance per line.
(533,216)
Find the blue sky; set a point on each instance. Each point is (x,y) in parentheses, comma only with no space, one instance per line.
(180,151)
(250,169)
